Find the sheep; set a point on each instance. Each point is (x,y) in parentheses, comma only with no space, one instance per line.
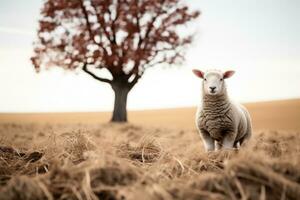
(222,124)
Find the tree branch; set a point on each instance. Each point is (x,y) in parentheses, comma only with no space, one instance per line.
(85,69)
(103,24)
(88,25)
(135,80)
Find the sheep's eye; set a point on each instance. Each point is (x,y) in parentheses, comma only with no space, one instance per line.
(205,79)
(221,79)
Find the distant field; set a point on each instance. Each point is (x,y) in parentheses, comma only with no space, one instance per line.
(266,115)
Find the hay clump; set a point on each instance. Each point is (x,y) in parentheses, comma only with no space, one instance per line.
(25,188)
(146,151)
(112,180)
(91,180)
(243,178)
(211,161)
(64,183)
(290,170)
(255,174)
(75,144)
(112,176)
(17,162)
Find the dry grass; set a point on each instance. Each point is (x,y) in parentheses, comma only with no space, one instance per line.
(112,161)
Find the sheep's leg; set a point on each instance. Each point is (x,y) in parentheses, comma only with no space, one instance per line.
(246,137)
(209,143)
(228,141)
(248,132)
(237,145)
(218,145)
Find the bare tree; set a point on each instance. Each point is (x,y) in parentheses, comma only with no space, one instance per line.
(124,37)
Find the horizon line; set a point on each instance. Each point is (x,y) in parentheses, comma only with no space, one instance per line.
(141,110)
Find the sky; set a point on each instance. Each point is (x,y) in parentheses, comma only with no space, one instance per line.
(259,39)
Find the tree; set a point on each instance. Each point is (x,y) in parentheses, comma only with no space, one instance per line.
(123,37)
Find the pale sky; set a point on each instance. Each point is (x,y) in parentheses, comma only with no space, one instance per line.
(260,39)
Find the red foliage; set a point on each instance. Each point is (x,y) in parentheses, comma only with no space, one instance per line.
(124,36)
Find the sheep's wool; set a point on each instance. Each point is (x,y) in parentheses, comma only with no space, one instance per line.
(218,117)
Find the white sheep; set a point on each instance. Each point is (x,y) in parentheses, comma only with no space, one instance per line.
(220,122)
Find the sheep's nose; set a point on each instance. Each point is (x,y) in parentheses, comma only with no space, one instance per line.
(212,88)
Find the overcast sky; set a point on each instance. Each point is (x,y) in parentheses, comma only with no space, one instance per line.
(257,38)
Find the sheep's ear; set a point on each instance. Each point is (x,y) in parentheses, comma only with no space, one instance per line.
(198,73)
(228,74)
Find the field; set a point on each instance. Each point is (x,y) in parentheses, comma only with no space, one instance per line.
(158,155)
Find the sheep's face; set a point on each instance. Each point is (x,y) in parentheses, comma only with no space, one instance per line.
(213,81)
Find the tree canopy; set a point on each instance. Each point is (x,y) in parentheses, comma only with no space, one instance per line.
(126,37)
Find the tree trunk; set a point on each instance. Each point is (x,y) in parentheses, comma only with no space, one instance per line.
(120,112)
